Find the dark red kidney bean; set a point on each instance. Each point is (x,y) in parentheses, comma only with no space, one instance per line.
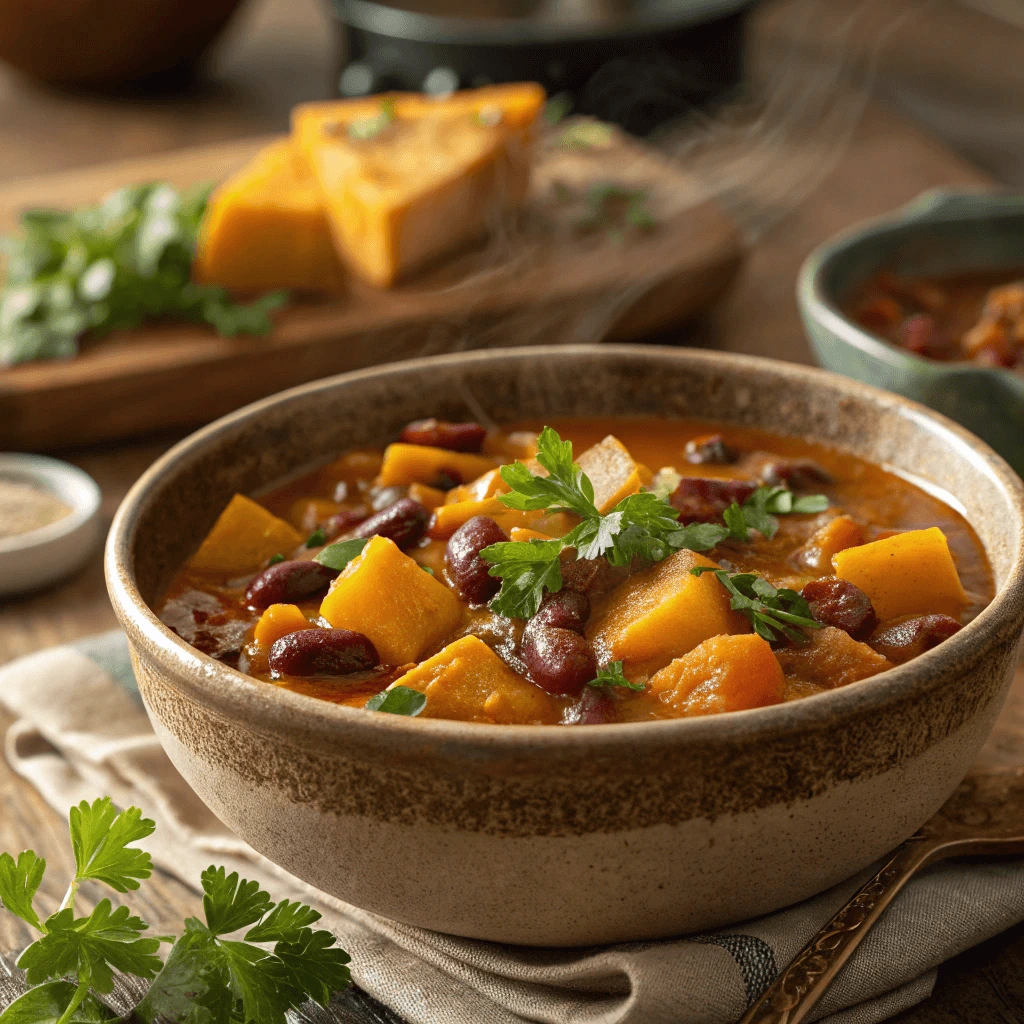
(568,609)
(709,449)
(595,707)
(341,522)
(796,474)
(468,572)
(920,334)
(446,479)
(288,582)
(404,522)
(704,499)
(322,652)
(456,437)
(559,660)
(839,603)
(384,497)
(902,640)
(591,575)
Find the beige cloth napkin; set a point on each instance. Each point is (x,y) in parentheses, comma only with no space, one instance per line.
(82,732)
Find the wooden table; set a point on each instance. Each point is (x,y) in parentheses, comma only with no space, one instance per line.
(279,53)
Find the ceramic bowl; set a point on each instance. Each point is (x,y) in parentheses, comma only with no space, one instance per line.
(560,836)
(941,232)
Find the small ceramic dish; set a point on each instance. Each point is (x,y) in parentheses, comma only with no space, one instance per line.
(567,836)
(941,232)
(31,560)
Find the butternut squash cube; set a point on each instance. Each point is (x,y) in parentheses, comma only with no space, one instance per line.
(422,464)
(428,497)
(906,574)
(385,595)
(407,178)
(612,471)
(832,658)
(725,673)
(277,621)
(836,535)
(244,536)
(490,485)
(662,613)
(306,513)
(468,682)
(448,518)
(266,228)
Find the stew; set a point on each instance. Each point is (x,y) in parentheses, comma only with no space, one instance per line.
(598,570)
(977,317)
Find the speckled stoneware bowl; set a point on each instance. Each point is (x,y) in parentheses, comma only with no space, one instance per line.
(941,232)
(567,836)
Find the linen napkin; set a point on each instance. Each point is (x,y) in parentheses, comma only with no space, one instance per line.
(82,732)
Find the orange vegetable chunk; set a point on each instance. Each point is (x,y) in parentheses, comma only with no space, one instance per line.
(244,536)
(906,574)
(385,595)
(428,497)
(832,658)
(836,535)
(661,613)
(724,673)
(468,682)
(448,518)
(487,486)
(612,471)
(266,228)
(279,620)
(305,513)
(421,464)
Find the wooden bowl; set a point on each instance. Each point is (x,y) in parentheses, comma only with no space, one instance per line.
(553,836)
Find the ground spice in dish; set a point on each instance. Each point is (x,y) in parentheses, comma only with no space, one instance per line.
(24,508)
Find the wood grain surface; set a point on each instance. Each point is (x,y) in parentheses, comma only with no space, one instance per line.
(279,54)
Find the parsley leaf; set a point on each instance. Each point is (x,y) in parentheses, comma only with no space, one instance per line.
(230,903)
(316,538)
(771,612)
(100,837)
(19,881)
(566,488)
(399,700)
(48,1003)
(611,675)
(317,965)
(759,510)
(527,569)
(337,556)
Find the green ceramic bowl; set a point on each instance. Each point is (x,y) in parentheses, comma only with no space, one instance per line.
(941,232)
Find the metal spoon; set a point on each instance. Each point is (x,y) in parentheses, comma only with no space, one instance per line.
(984,817)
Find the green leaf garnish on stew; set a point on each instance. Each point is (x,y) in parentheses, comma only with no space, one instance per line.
(316,538)
(770,611)
(427,569)
(274,559)
(399,700)
(611,675)
(337,556)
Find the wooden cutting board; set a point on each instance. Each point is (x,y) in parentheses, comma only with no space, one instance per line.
(528,287)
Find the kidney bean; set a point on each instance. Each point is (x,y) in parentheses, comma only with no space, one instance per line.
(456,437)
(591,575)
(704,499)
(341,522)
(322,652)
(595,707)
(568,609)
(446,479)
(709,449)
(902,640)
(467,570)
(920,333)
(404,522)
(839,603)
(559,660)
(288,582)
(384,497)
(796,474)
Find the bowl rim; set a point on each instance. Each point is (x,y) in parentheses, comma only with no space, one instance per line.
(276,711)
(934,206)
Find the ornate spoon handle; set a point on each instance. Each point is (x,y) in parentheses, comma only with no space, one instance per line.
(796,990)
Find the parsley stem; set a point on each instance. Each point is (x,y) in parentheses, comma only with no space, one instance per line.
(80,993)
(69,896)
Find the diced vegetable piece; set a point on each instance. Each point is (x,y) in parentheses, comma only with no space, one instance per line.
(661,613)
(724,673)
(448,518)
(487,486)
(266,228)
(386,596)
(907,574)
(428,497)
(524,533)
(307,513)
(244,536)
(467,681)
(832,658)
(277,621)
(612,471)
(836,535)
(419,464)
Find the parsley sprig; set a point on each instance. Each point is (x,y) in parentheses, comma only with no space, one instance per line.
(611,675)
(771,611)
(642,526)
(207,978)
(109,267)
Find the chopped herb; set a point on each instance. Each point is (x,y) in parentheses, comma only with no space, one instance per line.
(613,208)
(770,611)
(611,675)
(399,700)
(527,569)
(427,569)
(274,559)
(586,133)
(337,556)
(316,538)
(370,127)
(557,107)
(759,511)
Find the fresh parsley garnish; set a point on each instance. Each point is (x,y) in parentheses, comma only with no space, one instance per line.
(770,611)
(337,556)
(557,107)
(113,266)
(527,569)
(316,538)
(615,209)
(274,559)
(611,675)
(759,511)
(207,978)
(399,700)
(586,133)
(427,570)
(370,127)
